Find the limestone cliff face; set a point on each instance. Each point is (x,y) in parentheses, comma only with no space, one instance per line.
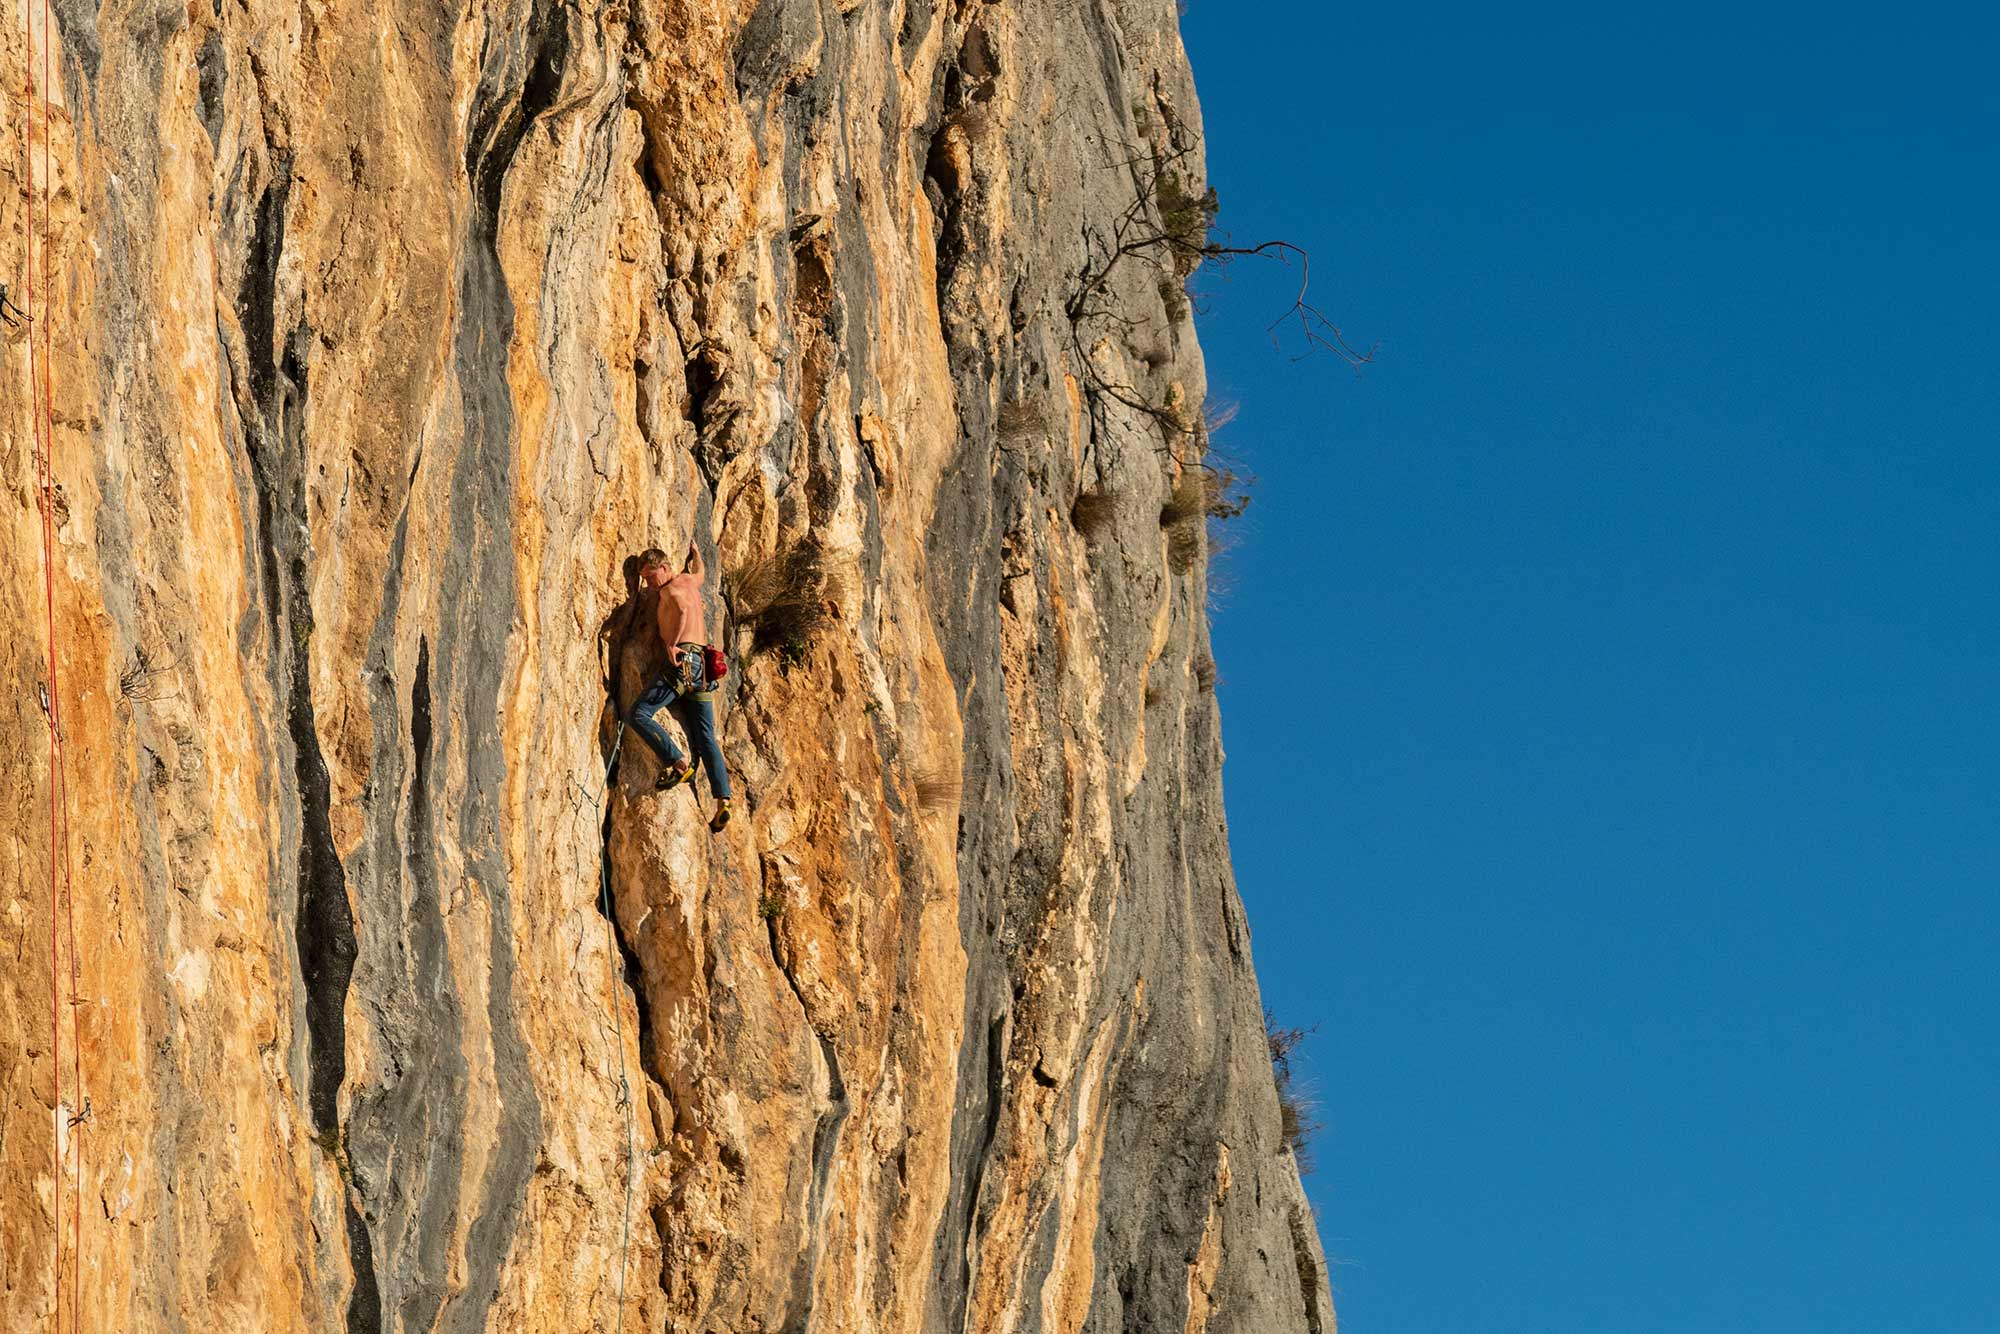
(381,337)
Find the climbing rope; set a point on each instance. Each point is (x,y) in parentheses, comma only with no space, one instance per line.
(78,1093)
(62,906)
(62,897)
(42,494)
(618,1017)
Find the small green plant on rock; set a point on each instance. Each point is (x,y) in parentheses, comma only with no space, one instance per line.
(1185,217)
(330,1143)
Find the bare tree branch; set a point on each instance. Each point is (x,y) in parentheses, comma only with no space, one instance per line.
(1171,231)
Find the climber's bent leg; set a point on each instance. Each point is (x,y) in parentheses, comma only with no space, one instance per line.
(645,721)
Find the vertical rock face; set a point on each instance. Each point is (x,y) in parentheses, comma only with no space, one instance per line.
(379,339)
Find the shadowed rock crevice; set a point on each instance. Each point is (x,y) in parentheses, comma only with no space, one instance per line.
(826,1130)
(325,932)
(988,1107)
(1311,1281)
(631,974)
(406,1131)
(826,1136)
(213,69)
(617,635)
(324,928)
(364,1304)
(521,76)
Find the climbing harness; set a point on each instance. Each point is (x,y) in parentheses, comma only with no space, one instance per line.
(698,666)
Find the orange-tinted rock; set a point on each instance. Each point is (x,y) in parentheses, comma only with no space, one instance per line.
(381,340)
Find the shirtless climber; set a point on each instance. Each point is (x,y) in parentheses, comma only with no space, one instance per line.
(685,682)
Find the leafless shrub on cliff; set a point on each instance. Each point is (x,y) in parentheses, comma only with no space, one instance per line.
(1186,501)
(1228,492)
(1297,1123)
(1201,493)
(786,599)
(1169,227)
(141,678)
(1093,512)
(936,789)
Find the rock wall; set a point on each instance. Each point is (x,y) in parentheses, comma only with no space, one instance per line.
(377,341)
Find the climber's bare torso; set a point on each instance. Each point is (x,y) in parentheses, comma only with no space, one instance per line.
(680,611)
(679,606)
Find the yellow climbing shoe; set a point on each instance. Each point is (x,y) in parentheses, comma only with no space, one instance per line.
(721,816)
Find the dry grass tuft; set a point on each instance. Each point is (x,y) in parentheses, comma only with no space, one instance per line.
(786,599)
(1202,493)
(1297,1122)
(1093,512)
(1204,671)
(936,789)
(1020,421)
(1205,492)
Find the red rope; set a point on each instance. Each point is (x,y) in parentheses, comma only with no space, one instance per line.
(43,472)
(61,767)
(62,902)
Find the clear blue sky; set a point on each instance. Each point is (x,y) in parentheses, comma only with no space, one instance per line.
(1610,673)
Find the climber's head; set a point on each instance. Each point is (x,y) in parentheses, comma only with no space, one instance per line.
(653,569)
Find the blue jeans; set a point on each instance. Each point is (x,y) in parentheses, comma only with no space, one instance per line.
(696,715)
